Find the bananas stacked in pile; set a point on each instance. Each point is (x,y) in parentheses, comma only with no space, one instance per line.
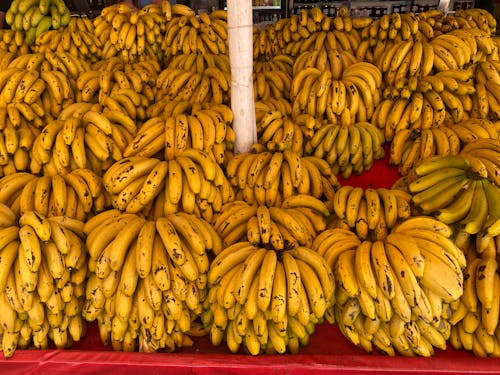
(35,17)
(43,272)
(77,38)
(278,132)
(273,78)
(212,84)
(148,278)
(410,147)
(185,33)
(73,195)
(265,44)
(475,314)
(296,222)
(370,213)
(268,178)
(394,293)
(102,81)
(132,35)
(84,136)
(487,85)
(352,97)
(452,190)
(191,182)
(208,129)
(483,154)
(313,28)
(12,44)
(347,148)
(264,300)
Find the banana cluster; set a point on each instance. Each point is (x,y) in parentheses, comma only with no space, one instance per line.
(43,272)
(12,44)
(148,278)
(278,132)
(190,182)
(208,129)
(273,78)
(106,78)
(74,195)
(370,213)
(265,44)
(298,220)
(450,188)
(445,98)
(78,38)
(186,33)
(352,98)
(482,154)
(35,17)
(487,84)
(311,29)
(475,314)
(388,294)
(84,135)
(264,300)
(410,147)
(132,35)
(347,148)
(268,178)
(211,85)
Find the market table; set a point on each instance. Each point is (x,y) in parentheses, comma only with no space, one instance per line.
(328,351)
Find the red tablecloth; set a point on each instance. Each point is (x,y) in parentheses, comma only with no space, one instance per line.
(328,351)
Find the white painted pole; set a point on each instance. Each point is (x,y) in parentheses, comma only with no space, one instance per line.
(240,24)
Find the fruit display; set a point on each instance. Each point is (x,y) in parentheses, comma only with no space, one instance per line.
(35,17)
(124,203)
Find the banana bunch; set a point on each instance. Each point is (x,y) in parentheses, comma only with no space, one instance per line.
(74,195)
(12,44)
(265,43)
(391,285)
(310,30)
(35,17)
(347,148)
(131,35)
(475,316)
(278,132)
(110,77)
(295,223)
(410,147)
(186,33)
(383,33)
(43,274)
(483,154)
(487,84)
(265,302)
(83,136)
(175,130)
(268,178)
(148,278)
(191,182)
(434,100)
(273,78)
(453,51)
(353,97)
(15,143)
(274,104)
(77,38)
(197,63)
(211,85)
(370,213)
(450,188)
(476,18)
(474,128)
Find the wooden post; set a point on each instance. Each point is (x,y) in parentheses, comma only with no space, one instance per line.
(240,25)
